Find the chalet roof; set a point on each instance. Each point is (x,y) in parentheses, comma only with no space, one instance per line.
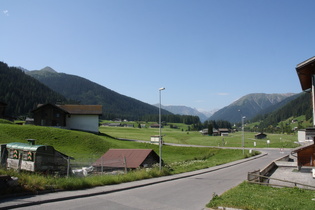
(76,109)
(305,70)
(115,158)
(82,109)
(298,149)
(260,134)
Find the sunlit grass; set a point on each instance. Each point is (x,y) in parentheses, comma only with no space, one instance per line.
(253,197)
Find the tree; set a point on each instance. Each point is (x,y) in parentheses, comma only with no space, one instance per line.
(210,130)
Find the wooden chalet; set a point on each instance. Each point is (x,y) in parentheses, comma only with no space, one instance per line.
(76,117)
(126,159)
(306,73)
(305,155)
(260,136)
(156,126)
(223,131)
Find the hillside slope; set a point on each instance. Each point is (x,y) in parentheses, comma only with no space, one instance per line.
(87,92)
(251,105)
(300,105)
(22,93)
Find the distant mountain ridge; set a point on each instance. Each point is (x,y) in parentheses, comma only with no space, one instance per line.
(22,93)
(85,91)
(184,110)
(251,105)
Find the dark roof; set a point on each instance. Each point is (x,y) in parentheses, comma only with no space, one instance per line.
(298,149)
(115,158)
(82,109)
(305,70)
(76,109)
(260,134)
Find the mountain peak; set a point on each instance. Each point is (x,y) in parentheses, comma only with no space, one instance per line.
(49,69)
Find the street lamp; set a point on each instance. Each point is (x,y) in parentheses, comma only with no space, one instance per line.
(160,137)
(243,118)
(243,133)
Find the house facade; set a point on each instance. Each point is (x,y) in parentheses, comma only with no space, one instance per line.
(305,155)
(74,117)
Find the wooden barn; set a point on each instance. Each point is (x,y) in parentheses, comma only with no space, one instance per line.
(260,136)
(126,159)
(305,156)
(36,158)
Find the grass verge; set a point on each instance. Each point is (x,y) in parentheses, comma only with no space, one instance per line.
(253,197)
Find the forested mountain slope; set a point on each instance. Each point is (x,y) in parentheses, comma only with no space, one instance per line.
(85,91)
(22,93)
(250,105)
(302,105)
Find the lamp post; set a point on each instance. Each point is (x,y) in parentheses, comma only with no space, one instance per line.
(243,118)
(160,137)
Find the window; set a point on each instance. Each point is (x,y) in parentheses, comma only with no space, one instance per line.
(14,154)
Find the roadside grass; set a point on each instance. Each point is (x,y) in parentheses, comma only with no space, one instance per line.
(252,197)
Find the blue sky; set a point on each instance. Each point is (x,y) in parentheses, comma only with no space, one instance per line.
(206,53)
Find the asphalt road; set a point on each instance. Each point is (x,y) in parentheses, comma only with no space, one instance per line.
(192,192)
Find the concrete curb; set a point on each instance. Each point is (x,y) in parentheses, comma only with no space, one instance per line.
(54,197)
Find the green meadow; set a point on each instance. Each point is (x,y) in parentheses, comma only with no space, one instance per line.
(181,135)
(87,147)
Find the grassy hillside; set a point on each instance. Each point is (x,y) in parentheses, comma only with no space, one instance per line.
(87,147)
(73,143)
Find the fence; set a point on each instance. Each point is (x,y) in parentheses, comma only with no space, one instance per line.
(256,178)
(100,166)
(262,177)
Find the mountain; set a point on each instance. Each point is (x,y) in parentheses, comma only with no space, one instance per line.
(85,91)
(22,93)
(300,105)
(184,110)
(251,105)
